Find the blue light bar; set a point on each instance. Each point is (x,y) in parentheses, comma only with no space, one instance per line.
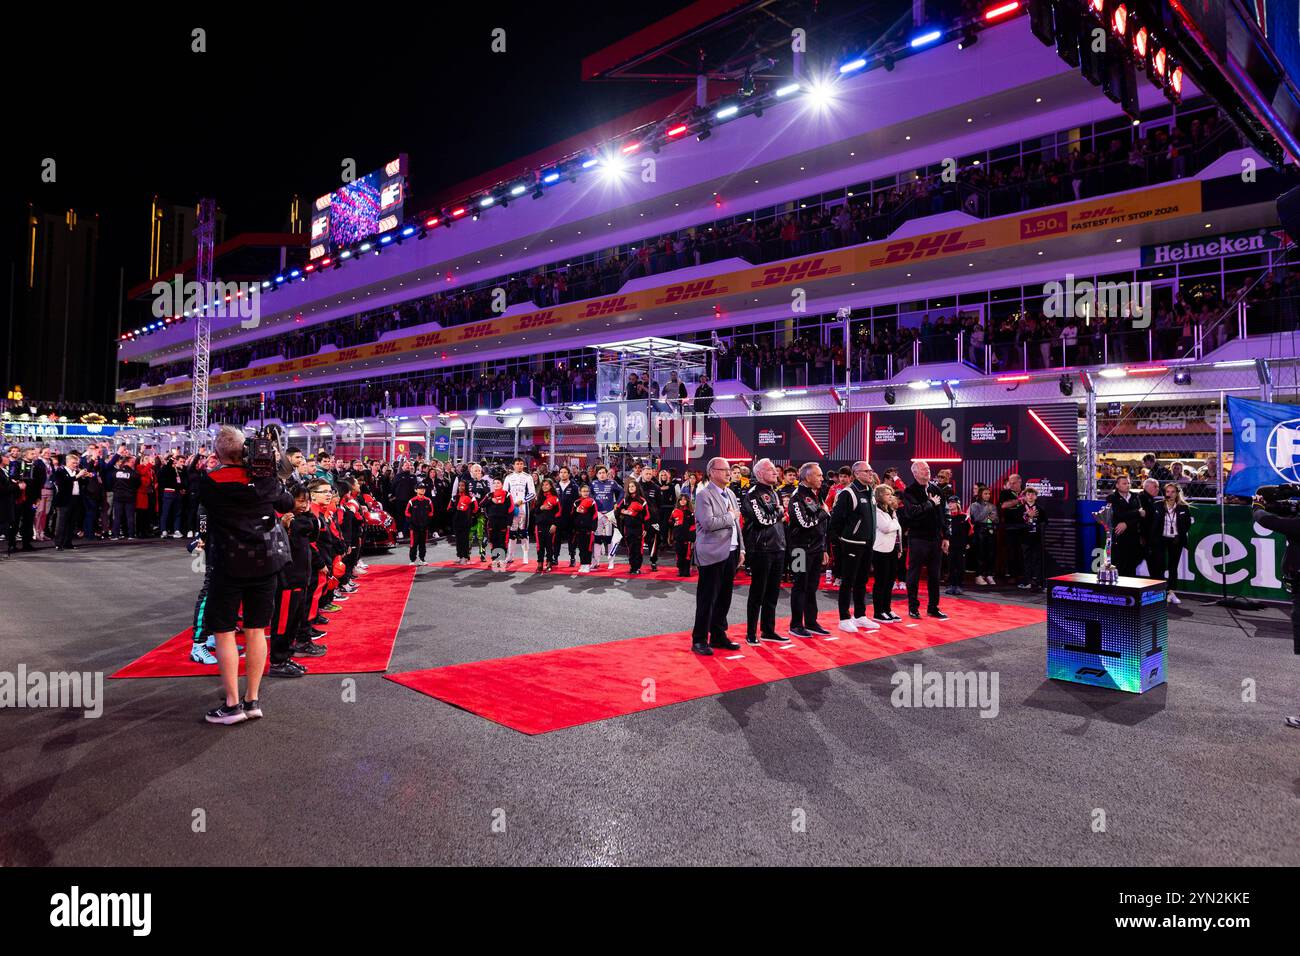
(587,164)
(279,278)
(551,178)
(385,240)
(925,38)
(408,231)
(853,65)
(365,247)
(294,274)
(518,190)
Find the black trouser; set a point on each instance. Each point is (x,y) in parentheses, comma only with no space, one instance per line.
(24,522)
(1032,550)
(713,599)
(90,517)
(1163,556)
(632,537)
(497,535)
(985,552)
(956,563)
(1014,538)
(885,564)
(65,528)
(123,516)
(803,593)
(652,544)
(1126,553)
(419,537)
(923,555)
(548,545)
(855,566)
(201,631)
(288,613)
(564,534)
(462,536)
(765,569)
(683,557)
(586,542)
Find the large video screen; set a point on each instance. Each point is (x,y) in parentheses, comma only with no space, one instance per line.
(367,206)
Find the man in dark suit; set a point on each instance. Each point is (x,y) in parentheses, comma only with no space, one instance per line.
(29,475)
(927,539)
(67,497)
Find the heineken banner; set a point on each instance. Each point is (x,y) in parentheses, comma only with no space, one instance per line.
(1246,554)
(1265,445)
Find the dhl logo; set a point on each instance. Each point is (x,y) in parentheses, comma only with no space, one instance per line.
(314,361)
(1103,213)
(691,290)
(427,339)
(796,272)
(538,320)
(384,348)
(346,355)
(942,243)
(479,331)
(608,307)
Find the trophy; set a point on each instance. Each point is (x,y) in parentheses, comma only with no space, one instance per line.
(1108,574)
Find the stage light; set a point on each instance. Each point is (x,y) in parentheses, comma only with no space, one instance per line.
(385,240)
(629,148)
(458,212)
(677,130)
(1140,38)
(586,164)
(364,247)
(1001,10)
(294,274)
(267,285)
(968,40)
(925,39)
(551,177)
(1066,384)
(919,385)
(486,201)
(727,112)
(431,222)
(1175,89)
(703,134)
(307,268)
(326,261)
(890,396)
(819,95)
(776,393)
(787,90)
(408,231)
(1182,377)
(1119,21)
(853,65)
(345,254)
(1112,373)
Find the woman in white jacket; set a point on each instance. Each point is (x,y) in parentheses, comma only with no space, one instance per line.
(885,553)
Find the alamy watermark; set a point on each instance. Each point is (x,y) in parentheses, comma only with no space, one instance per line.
(241,300)
(1086,300)
(957,689)
(56,689)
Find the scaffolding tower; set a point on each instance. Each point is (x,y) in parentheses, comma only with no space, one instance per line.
(204,233)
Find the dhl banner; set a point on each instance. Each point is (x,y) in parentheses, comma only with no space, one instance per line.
(1150,205)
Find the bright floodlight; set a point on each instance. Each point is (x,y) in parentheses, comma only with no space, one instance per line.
(820,95)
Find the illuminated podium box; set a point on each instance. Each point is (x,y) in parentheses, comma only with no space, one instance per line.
(1107,635)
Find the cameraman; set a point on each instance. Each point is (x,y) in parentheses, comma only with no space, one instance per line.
(247,546)
(1288,525)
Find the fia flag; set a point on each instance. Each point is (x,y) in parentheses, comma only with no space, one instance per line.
(1265,445)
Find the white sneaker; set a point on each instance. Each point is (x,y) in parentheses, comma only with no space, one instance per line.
(900,586)
(421,562)
(979,579)
(611,565)
(362,566)
(189,534)
(176,534)
(1173,598)
(848,625)
(866,624)
(829,577)
(585,569)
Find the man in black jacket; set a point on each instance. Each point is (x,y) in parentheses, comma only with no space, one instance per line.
(853,535)
(403,491)
(67,498)
(126,481)
(764,531)
(808,521)
(29,476)
(246,548)
(927,539)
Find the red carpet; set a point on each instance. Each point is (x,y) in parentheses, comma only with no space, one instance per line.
(667,572)
(538,693)
(360,637)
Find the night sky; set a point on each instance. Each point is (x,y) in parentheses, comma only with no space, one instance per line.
(278,100)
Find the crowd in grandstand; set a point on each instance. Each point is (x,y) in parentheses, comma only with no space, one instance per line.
(996,188)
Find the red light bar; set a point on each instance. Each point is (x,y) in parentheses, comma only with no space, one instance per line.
(307,268)
(1176,81)
(677,130)
(326,261)
(1119,20)
(808,435)
(458,211)
(632,148)
(1148,369)
(1140,43)
(1001,10)
(1012,378)
(1050,434)
(431,221)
